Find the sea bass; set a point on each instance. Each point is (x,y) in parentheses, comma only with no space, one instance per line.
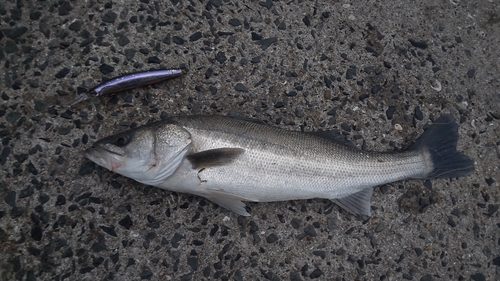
(229,160)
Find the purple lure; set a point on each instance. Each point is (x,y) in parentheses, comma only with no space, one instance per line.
(129,81)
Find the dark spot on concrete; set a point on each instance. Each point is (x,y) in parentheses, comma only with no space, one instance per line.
(10,198)
(15,32)
(100,245)
(390,112)
(76,26)
(321,254)
(350,73)
(26,192)
(17,212)
(178,40)
(62,73)
(195,36)
(221,57)
(61,200)
(418,113)
(268,4)
(478,277)
(176,239)
(310,231)
(126,222)
(492,209)
(234,22)
(240,88)
(316,273)
(418,44)
(123,40)
(106,69)
(328,82)
(130,262)
(115,257)
(86,168)
(87,269)
(471,73)
(64,8)
(272,238)
(193,263)
(36,233)
(265,43)
(490,181)
(306,20)
(109,17)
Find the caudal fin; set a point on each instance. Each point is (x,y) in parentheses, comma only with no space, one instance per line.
(440,139)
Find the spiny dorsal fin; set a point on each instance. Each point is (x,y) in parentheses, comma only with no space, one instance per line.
(214,157)
(335,136)
(332,135)
(248,119)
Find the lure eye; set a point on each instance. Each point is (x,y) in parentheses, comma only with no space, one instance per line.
(122,140)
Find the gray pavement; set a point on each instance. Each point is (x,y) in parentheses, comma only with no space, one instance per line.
(377,71)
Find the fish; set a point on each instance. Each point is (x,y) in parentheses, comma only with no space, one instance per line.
(129,81)
(229,161)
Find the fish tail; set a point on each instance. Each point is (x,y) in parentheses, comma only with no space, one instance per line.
(440,142)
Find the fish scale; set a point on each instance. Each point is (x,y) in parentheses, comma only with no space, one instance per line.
(229,160)
(293,165)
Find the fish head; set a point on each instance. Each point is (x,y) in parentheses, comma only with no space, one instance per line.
(148,154)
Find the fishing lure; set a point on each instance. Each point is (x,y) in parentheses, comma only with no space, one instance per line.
(129,81)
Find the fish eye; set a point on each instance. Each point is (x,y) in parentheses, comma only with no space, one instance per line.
(122,140)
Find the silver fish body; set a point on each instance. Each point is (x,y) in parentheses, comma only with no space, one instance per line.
(229,161)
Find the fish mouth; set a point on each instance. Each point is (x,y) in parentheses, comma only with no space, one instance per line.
(104,157)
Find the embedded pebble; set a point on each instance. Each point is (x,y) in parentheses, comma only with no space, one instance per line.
(126,222)
(390,112)
(239,87)
(86,168)
(27,192)
(61,200)
(272,238)
(418,44)
(350,73)
(10,198)
(471,73)
(437,86)
(266,43)
(221,57)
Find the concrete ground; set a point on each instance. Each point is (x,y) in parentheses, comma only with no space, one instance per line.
(378,71)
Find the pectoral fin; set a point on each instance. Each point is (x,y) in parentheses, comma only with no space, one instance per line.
(228,201)
(357,203)
(214,157)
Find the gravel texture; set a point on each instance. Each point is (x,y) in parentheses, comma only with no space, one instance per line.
(377,71)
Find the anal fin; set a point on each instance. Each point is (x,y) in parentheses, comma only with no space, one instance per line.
(228,201)
(357,203)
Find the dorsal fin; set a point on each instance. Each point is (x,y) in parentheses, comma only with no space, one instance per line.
(333,135)
(247,119)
